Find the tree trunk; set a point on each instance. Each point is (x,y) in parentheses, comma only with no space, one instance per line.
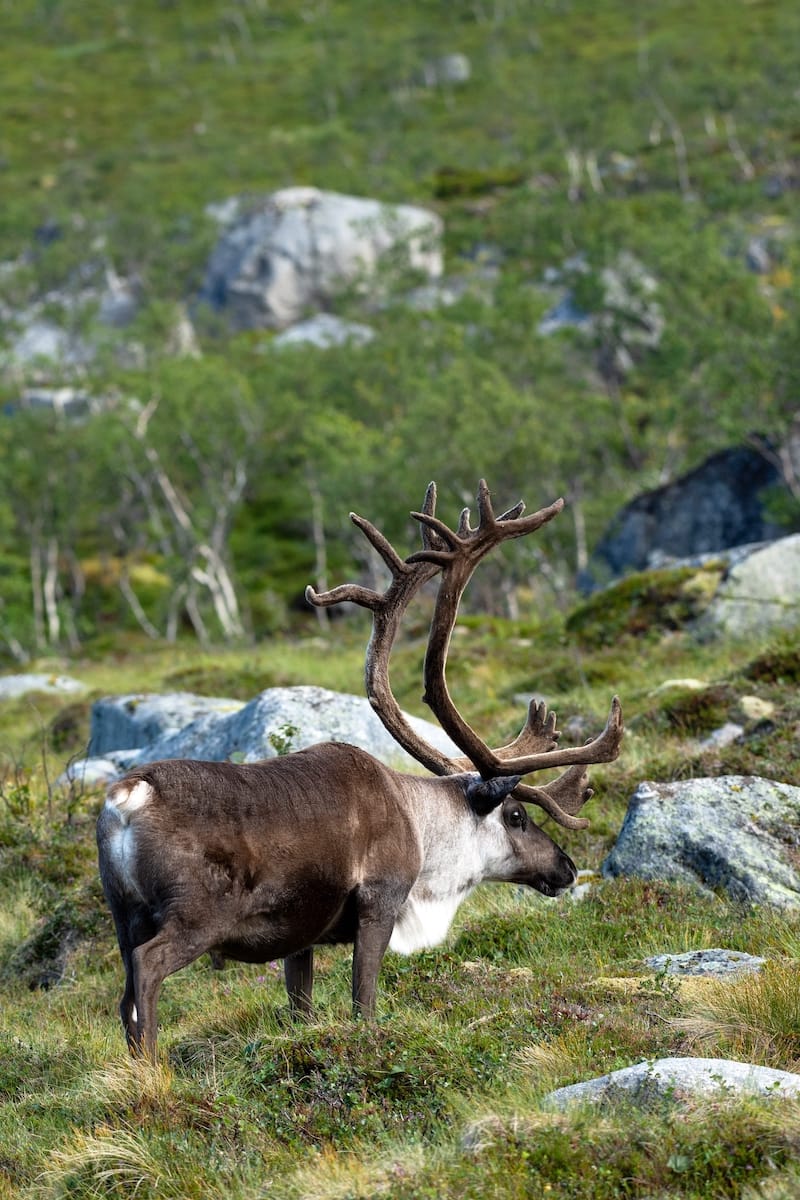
(50,593)
(36,592)
(141,616)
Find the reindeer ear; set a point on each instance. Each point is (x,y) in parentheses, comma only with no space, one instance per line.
(483,795)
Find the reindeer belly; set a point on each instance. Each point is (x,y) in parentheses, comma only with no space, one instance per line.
(281,922)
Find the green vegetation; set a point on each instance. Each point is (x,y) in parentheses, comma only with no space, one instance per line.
(584,132)
(648,601)
(442,1096)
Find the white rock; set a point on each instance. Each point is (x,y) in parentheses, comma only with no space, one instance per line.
(41,340)
(676,1078)
(733,833)
(325,330)
(129,730)
(290,719)
(718,962)
(688,685)
(299,247)
(726,735)
(133,721)
(448,68)
(12,686)
(86,772)
(760,593)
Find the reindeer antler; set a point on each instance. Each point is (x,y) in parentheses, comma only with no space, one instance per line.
(387,613)
(456,554)
(465,550)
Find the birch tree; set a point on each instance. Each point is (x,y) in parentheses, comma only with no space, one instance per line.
(189,448)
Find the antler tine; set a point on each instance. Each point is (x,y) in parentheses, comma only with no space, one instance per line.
(546,801)
(473,544)
(384,547)
(538,734)
(387,612)
(604,748)
(485,509)
(353,592)
(458,564)
(564,797)
(429,538)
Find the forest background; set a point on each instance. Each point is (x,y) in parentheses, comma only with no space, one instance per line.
(207,489)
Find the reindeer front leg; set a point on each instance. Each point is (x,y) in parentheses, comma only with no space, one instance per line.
(377,913)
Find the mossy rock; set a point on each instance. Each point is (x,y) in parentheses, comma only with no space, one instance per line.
(41,960)
(68,732)
(647,603)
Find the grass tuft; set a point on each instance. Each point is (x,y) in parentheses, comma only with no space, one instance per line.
(756,1019)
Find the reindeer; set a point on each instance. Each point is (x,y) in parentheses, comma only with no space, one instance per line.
(267,860)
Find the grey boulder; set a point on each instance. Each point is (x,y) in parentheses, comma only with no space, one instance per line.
(676,1078)
(133,721)
(299,247)
(760,593)
(718,963)
(12,686)
(323,331)
(284,719)
(131,730)
(734,833)
(719,505)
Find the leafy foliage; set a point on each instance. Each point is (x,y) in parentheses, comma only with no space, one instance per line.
(581,134)
(584,132)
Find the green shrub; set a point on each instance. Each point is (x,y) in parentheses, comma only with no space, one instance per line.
(644,605)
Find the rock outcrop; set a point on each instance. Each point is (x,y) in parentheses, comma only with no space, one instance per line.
(759,593)
(128,730)
(12,686)
(134,721)
(677,1078)
(718,505)
(293,252)
(323,331)
(737,833)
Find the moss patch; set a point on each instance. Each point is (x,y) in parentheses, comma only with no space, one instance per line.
(644,605)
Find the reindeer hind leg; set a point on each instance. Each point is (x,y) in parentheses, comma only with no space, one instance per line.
(170,949)
(298,971)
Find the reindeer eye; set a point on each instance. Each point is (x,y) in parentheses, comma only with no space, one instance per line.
(518,818)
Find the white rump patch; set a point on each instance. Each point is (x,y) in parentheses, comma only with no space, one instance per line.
(130,800)
(120,837)
(121,851)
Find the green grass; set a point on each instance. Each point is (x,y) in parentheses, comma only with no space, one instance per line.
(245,1100)
(118,125)
(441,1097)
